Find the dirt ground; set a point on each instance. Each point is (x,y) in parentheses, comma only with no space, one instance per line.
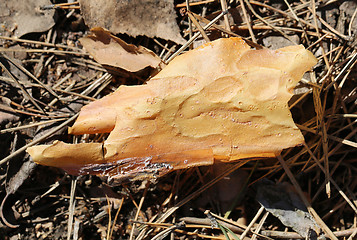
(307,192)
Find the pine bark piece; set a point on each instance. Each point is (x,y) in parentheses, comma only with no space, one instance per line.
(222,101)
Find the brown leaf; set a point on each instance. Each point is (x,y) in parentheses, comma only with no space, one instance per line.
(110,50)
(223,101)
(25,18)
(152,18)
(283,202)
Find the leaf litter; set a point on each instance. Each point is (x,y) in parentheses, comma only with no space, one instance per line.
(151,18)
(19,19)
(322,169)
(281,201)
(107,49)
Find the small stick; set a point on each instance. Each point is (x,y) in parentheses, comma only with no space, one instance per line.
(70,5)
(288,15)
(247,21)
(199,191)
(30,125)
(43,51)
(332,181)
(250,43)
(260,211)
(317,41)
(267,23)
(168,230)
(344,37)
(23,90)
(34,142)
(199,27)
(109,216)
(205,222)
(115,218)
(195,36)
(40,43)
(349,65)
(180,5)
(260,225)
(293,235)
(139,210)
(72,204)
(242,226)
(337,139)
(30,75)
(225,17)
(298,20)
(189,19)
(317,218)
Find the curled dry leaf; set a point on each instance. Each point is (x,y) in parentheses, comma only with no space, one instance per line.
(112,51)
(222,101)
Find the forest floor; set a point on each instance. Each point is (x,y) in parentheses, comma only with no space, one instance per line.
(47,77)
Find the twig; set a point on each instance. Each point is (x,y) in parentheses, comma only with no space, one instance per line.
(139,210)
(31,125)
(72,204)
(349,65)
(288,15)
(293,235)
(60,52)
(267,23)
(250,43)
(332,181)
(257,215)
(40,139)
(189,19)
(225,17)
(260,225)
(317,218)
(180,5)
(115,218)
(199,191)
(247,21)
(70,5)
(168,230)
(23,90)
(195,37)
(199,27)
(40,43)
(298,20)
(30,75)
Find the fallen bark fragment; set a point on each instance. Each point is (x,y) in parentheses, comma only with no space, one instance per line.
(222,101)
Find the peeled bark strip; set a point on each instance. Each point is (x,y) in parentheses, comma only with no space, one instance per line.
(221,101)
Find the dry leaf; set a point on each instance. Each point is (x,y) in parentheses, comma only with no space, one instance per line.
(221,101)
(152,18)
(21,19)
(284,203)
(110,50)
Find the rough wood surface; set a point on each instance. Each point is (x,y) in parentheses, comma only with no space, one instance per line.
(221,101)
